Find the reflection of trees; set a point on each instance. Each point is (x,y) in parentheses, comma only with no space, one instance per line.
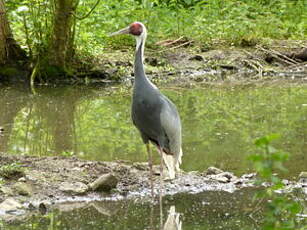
(11,102)
(45,125)
(57,108)
(219,125)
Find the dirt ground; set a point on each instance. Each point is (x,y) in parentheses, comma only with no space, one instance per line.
(37,184)
(197,64)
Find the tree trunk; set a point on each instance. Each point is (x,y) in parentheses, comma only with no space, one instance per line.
(10,51)
(61,35)
(5,34)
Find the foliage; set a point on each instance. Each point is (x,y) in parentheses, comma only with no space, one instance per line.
(12,170)
(281,210)
(208,21)
(32,23)
(67,153)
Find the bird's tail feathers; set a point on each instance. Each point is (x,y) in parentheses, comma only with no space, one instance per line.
(170,165)
(178,160)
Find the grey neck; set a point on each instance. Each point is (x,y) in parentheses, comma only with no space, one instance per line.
(139,71)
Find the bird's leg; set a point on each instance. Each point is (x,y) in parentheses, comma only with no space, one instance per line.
(150,169)
(161,186)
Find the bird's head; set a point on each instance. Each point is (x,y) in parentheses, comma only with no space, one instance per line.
(136,29)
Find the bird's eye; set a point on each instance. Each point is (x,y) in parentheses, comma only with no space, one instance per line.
(136,29)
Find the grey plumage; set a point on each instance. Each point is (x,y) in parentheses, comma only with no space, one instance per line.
(154,115)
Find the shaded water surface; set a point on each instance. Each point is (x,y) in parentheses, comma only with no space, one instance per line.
(220,124)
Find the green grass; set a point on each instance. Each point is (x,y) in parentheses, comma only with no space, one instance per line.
(10,171)
(207,22)
(228,22)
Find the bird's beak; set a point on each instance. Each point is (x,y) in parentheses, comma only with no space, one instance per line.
(122,31)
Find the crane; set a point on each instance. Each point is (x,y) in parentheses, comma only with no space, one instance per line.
(154,115)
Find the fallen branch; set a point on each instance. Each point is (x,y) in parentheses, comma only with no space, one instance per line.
(176,47)
(169,42)
(278,55)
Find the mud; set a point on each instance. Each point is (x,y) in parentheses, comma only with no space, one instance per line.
(40,185)
(196,64)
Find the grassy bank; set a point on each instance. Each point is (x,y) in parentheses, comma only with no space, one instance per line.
(208,22)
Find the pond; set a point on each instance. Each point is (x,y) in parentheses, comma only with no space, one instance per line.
(210,210)
(220,123)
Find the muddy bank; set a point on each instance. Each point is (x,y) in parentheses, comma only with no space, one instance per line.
(197,63)
(32,184)
(180,61)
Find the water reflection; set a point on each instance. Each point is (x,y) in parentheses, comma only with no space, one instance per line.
(11,102)
(219,124)
(37,124)
(209,210)
(173,221)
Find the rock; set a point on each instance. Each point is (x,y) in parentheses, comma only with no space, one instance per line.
(213,171)
(10,205)
(105,182)
(285,182)
(228,67)
(22,179)
(196,58)
(23,189)
(248,176)
(141,166)
(31,207)
(151,61)
(76,188)
(303,175)
(222,179)
(7,190)
(42,208)
(228,175)
(303,178)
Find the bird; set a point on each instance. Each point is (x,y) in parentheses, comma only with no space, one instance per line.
(154,115)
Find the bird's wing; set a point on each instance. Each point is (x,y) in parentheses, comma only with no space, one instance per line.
(146,117)
(171,125)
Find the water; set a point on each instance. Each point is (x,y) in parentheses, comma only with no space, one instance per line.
(210,210)
(220,124)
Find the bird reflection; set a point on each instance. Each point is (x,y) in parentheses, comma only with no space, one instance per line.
(173,221)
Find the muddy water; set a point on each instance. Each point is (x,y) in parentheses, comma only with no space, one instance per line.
(210,210)
(220,124)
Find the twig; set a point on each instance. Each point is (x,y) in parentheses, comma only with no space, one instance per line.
(88,14)
(256,66)
(284,56)
(169,42)
(175,47)
(278,56)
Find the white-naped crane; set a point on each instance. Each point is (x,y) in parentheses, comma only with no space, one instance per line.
(154,115)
